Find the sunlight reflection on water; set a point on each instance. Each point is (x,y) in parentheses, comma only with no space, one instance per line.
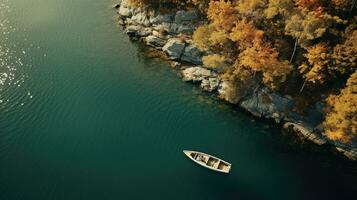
(11,58)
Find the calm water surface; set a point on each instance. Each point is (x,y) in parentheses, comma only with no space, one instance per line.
(85,115)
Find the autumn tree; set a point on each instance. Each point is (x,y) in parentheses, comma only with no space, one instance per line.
(262,58)
(316,68)
(222,14)
(249,7)
(275,7)
(306,26)
(245,33)
(311,5)
(201,37)
(341,118)
(345,54)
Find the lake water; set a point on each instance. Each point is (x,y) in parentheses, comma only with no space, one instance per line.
(84,114)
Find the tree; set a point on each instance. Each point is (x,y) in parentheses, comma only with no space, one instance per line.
(345,54)
(306,26)
(222,14)
(201,37)
(245,33)
(276,7)
(261,57)
(250,6)
(311,5)
(315,69)
(341,117)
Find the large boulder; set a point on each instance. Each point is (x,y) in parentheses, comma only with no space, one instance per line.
(197,74)
(155,41)
(186,16)
(263,103)
(209,84)
(125,10)
(174,48)
(227,91)
(192,55)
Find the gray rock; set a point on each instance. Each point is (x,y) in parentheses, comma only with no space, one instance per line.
(154,41)
(185,29)
(197,74)
(192,55)
(226,91)
(144,32)
(209,84)
(307,131)
(174,48)
(350,153)
(162,18)
(186,16)
(263,103)
(133,30)
(125,10)
(141,18)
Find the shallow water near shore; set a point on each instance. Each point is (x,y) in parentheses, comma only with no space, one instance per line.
(84,114)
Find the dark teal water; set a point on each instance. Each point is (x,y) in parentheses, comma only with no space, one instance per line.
(85,115)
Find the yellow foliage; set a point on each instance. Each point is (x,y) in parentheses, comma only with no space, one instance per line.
(315,69)
(223,14)
(261,57)
(276,7)
(201,37)
(345,54)
(341,119)
(249,6)
(214,61)
(244,33)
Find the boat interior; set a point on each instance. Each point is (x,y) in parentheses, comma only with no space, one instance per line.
(211,162)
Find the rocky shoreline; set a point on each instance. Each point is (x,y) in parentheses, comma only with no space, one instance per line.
(171,33)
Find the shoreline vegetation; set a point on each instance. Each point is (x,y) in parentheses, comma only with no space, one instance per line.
(293,62)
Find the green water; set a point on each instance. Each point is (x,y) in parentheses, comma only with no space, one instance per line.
(85,115)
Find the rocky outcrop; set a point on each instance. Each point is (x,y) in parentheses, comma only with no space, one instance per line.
(172,34)
(192,54)
(197,74)
(210,84)
(263,103)
(155,41)
(174,48)
(307,131)
(184,17)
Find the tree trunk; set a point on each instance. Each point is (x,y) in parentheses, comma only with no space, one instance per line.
(302,87)
(295,46)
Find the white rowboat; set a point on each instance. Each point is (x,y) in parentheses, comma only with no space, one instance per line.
(209,161)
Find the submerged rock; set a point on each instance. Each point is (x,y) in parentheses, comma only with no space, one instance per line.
(174,48)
